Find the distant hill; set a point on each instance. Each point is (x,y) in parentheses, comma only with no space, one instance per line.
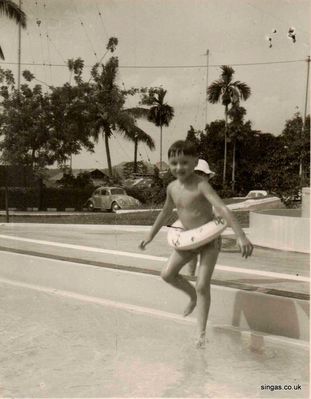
(52,175)
(118,169)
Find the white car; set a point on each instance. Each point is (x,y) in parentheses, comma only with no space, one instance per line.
(257,194)
(254,194)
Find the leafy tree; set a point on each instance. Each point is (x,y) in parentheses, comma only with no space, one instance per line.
(82,181)
(129,169)
(237,129)
(39,129)
(25,128)
(70,121)
(12,11)
(211,148)
(296,142)
(227,92)
(193,136)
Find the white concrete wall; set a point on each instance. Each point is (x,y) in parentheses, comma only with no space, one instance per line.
(305,202)
(288,233)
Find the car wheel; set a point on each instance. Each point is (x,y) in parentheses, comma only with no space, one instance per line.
(114,207)
(90,206)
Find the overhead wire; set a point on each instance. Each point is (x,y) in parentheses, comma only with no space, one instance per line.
(38,22)
(170,66)
(101,18)
(85,31)
(47,41)
(30,51)
(48,36)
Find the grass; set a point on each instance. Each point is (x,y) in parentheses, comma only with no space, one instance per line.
(138,218)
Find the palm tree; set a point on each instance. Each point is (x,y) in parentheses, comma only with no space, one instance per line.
(138,135)
(159,113)
(12,11)
(108,113)
(228,92)
(143,137)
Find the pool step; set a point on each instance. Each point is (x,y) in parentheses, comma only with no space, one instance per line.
(238,308)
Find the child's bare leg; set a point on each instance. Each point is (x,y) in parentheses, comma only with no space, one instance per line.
(208,258)
(192,265)
(171,275)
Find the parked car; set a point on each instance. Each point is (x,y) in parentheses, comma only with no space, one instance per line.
(257,194)
(111,198)
(254,194)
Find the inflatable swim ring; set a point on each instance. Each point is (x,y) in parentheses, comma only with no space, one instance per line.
(183,240)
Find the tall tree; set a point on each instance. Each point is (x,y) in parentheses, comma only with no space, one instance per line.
(12,11)
(107,106)
(104,102)
(296,137)
(139,136)
(159,113)
(193,135)
(40,129)
(226,91)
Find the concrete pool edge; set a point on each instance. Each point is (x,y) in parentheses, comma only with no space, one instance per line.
(242,309)
(281,229)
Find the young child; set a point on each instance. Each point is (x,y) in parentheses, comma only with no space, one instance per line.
(194,200)
(202,169)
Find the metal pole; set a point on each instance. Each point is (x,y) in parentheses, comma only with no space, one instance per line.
(206,100)
(307,89)
(19,51)
(304,115)
(6,194)
(18,88)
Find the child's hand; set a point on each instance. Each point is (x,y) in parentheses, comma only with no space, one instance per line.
(143,244)
(246,246)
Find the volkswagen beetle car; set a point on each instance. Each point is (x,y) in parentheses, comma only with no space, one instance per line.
(111,198)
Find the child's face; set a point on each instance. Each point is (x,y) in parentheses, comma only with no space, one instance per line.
(182,166)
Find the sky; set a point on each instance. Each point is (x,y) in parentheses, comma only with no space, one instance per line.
(173,35)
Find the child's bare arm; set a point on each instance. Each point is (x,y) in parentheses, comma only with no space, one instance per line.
(222,210)
(160,220)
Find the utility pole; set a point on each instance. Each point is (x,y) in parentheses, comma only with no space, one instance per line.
(19,52)
(304,116)
(307,89)
(206,98)
(18,88)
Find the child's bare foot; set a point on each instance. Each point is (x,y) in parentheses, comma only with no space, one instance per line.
(189,309)
(201,341)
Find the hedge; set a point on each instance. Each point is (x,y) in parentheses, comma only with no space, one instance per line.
(59,198)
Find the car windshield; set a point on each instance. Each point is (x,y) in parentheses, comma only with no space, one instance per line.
(116,191)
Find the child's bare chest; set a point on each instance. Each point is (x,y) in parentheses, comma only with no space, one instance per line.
(184,197)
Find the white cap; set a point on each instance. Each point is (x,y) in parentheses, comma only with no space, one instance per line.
(203,166)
